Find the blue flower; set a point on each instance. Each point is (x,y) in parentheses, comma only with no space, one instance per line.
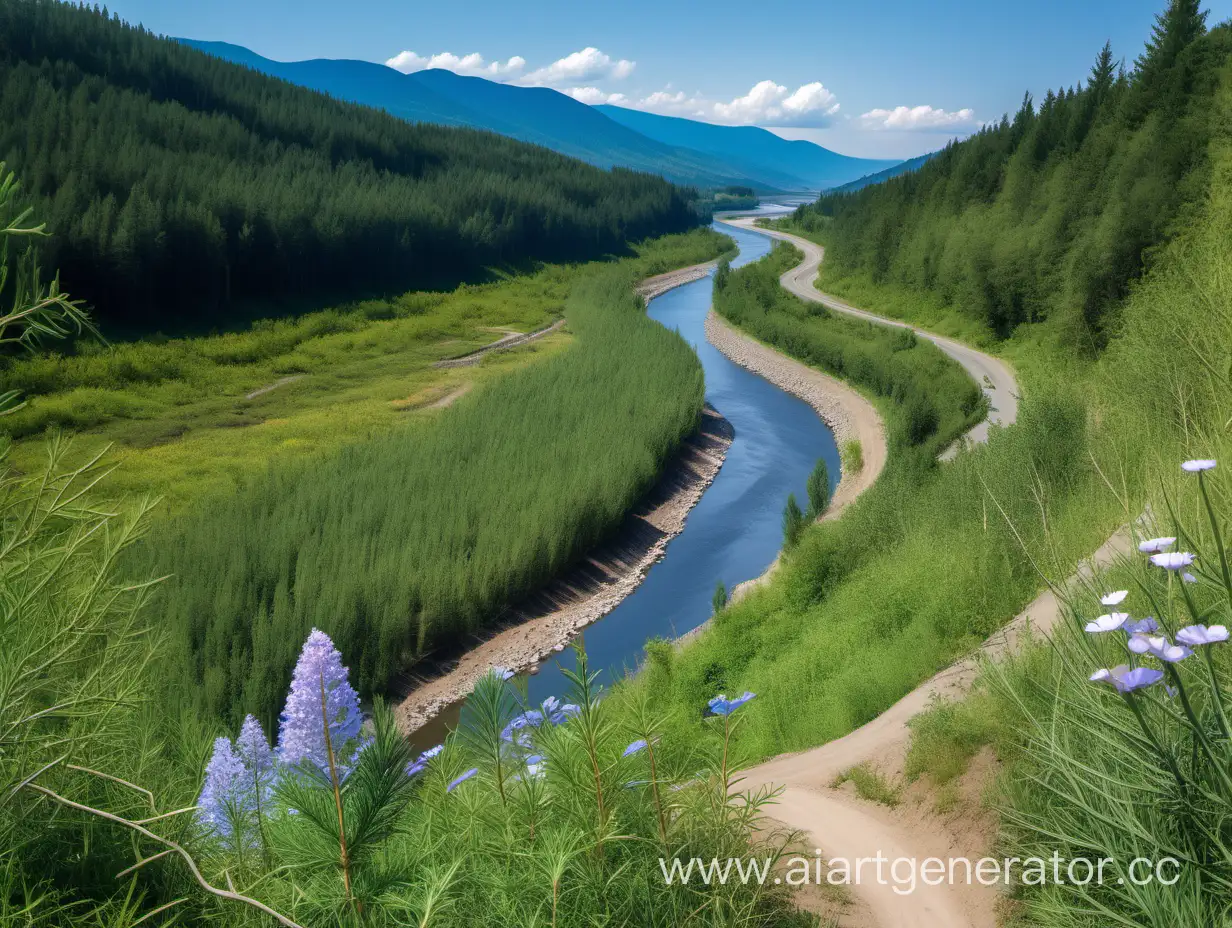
(1126,680)
(567,711)
(1197,635)
(301,735)
(1142,626)
(503,672)
(1172,560)
(721,705)
(457,781)
(224,797)
(420,763)
(1198,465)
(1160,647)
(1114,599)
(635,747)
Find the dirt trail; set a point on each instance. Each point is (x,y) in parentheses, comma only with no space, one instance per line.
(512,340)
(843,826)
(993,375)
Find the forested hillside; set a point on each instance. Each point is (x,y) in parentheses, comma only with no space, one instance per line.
(179,185)
(1051,213)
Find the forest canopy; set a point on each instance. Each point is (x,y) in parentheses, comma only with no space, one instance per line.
(1055,211)
(179,185)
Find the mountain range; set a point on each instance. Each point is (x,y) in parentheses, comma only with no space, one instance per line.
(681,150)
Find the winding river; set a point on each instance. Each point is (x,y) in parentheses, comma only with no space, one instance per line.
(734,532)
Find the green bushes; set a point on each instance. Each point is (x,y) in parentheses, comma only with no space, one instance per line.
(934,398)
(419,538)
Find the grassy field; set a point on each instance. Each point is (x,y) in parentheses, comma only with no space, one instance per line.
(177,410)
(407,540)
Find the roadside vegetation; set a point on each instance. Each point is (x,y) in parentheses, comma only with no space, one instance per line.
(1053,213)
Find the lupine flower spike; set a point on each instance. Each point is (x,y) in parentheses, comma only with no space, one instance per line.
(222,795)
(301,737)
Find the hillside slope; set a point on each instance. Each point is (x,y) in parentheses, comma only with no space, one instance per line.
(904,167)
(799,165)
(189,184)
(531,114)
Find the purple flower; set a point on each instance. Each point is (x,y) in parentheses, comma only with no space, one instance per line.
(635,747)
(1107,623)
(503,672)
(721,705)
(457,781)
(567,711)
(1142,626)
(223,798)
(1152,545)
(421,762)
(1172,560)
(1198,465)
(301,737)
(1114,599)
(1187,577)
(253,749)
(1196,635)
(1126,680)
(1158,646)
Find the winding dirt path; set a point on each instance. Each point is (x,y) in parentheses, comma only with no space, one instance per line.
(993,375)
(512,340)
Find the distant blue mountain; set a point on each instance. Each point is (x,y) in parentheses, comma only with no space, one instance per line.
(531,114)
(751,149)
(557,121)
(868,180)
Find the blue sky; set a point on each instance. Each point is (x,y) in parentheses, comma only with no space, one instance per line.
(886,79)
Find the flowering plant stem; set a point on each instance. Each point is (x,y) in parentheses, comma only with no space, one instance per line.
(1150,736)
(654,790)
(343,857)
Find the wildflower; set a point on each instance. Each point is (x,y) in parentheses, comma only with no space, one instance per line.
(1126,680)
(1114,599)
(1154,545)
(301,737)
(721,705)
(1172,560)
(457,781)
(420,763)
(1108,623)
(567,711)
(534,765)
(503,672)
(1198,465)
(1142,626)
(1187,577)
(635,747)
(222,796)
(1196,635)
(254,751)
(1158,646)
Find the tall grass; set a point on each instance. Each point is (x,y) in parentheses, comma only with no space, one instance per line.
(1083,775)
(420,538)
(920,569)
(933,398)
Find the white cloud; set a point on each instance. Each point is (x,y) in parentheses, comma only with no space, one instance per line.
(594,96)
(919,119)
(766,104)
(589,64)
(472,65)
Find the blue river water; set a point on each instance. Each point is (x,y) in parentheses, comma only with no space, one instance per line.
(735,531)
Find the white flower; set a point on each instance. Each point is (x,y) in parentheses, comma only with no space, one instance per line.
(1108,623)
(1156,544)
(1198,465)
(1114,599)
(1172,560)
